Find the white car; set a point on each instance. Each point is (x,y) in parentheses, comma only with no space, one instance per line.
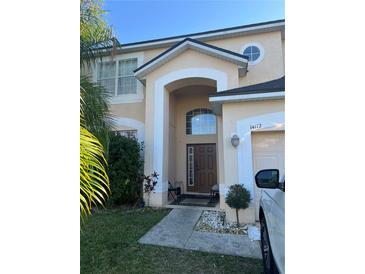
(272,220)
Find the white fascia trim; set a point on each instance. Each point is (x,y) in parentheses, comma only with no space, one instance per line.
(191,45)
(248,97)
(209,35)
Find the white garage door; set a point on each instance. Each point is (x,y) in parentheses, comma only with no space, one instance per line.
(268,152)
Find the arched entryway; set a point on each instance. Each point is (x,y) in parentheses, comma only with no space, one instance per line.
(169,157)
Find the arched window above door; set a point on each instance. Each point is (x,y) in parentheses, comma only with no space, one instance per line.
(200,121)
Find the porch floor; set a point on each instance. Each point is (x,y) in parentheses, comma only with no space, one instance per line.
(177,230)
(195,201)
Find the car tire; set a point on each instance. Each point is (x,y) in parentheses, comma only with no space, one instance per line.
(267,257)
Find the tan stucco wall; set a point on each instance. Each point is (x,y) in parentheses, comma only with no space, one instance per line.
(187,99)
(232,113)
(152,53)
(131,110)
(193,59)
(271,66)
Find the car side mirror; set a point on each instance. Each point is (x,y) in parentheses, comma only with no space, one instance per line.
(267,178)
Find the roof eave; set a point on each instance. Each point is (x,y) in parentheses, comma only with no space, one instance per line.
(206,36)
(260,96)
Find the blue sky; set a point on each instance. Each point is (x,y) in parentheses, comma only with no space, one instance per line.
(134,21)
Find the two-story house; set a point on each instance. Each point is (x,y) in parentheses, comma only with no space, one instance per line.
(208,106)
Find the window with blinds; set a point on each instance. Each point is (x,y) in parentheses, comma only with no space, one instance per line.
(106,76)
(127,83)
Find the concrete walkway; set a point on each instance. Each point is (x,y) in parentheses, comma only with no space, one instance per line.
(177,230)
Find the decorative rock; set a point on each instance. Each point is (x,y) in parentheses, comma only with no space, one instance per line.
(213,221)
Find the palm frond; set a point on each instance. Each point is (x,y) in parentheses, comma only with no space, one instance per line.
(95,35)
(94,181)
(95,120)
(95,106)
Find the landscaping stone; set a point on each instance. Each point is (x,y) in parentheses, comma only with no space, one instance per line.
(214,221)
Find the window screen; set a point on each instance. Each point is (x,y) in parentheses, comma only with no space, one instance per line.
(106,76)
(127,83)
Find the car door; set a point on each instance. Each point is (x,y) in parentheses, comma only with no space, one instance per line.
(269,153)
(268,150)
(277,231)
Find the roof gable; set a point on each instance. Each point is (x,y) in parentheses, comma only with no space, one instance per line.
(186,44)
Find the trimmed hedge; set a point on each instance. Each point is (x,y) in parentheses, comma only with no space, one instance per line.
(125,170)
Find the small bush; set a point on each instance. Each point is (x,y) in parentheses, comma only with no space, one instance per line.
(238,197)
(150,182)
(125,170)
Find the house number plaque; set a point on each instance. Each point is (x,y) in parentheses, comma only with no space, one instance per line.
(255,126)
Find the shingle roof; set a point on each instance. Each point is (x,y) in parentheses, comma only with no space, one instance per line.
(270,86)
(206,32)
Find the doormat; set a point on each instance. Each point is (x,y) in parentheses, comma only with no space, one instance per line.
(195,200)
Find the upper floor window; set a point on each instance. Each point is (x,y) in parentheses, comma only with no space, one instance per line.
(200,121)
(108,72)
(127,83)
(254,52)
(106,75)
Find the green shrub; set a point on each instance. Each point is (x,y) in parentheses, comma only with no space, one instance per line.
(125,169)
(238,197)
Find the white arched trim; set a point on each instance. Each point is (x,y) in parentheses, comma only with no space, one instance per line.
(160,108)
(132,123)
(219,76)
(266,122)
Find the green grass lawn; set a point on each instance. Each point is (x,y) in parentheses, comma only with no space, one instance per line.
(109,245)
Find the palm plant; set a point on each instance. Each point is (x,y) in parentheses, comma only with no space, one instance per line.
(94,181)
(95,35)
(97,117)
(95,121)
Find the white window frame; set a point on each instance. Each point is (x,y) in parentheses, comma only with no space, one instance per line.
(123,98)
(108,78)
(126,76)
(191,122)
(260,47)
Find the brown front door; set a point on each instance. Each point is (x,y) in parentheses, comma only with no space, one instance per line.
(201,167)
